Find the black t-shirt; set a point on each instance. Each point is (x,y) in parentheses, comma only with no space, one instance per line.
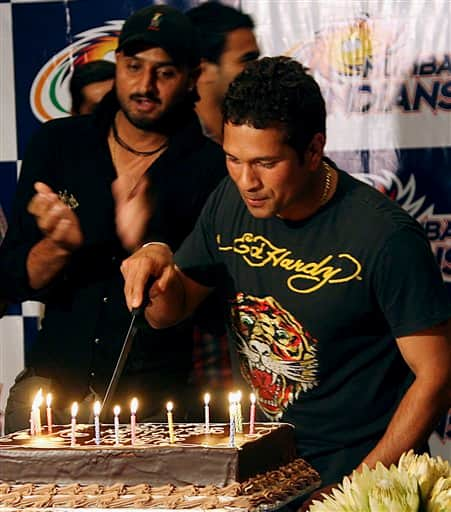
(315,307)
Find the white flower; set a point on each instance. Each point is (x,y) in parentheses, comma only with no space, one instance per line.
(377,490)
(440,498)
(396,491)
(346,498)
(426,469)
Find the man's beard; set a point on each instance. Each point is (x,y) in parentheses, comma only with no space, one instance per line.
(166,122)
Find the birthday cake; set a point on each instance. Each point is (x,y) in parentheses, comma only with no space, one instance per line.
(198,469)
(194,458)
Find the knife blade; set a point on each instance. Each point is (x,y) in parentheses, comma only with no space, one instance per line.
(126,346)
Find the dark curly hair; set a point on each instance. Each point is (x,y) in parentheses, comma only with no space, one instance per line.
(277,90)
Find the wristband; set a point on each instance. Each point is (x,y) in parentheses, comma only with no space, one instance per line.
(155,243)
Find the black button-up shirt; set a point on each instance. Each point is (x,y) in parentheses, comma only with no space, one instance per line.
(86,317)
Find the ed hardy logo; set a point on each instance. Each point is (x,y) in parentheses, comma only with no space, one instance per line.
(277,354)
(305,276)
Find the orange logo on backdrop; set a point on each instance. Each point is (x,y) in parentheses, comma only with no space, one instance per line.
(49,96)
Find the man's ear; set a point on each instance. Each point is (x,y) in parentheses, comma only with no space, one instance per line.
(193,78)
(315,150)
(208,72)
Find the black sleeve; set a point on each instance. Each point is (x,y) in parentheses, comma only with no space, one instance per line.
(197,257)
(181,194)
(408,283)
(22,234)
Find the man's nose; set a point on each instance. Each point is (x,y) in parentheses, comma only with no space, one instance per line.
(249,179)
(146,83)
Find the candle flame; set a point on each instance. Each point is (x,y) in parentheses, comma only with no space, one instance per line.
(238,396)
(232,398)
(74,409)
(134,405)
(49,399)
(253,398)
(38,399)
(97,408)
(207,398)
(169,406)
(117,410)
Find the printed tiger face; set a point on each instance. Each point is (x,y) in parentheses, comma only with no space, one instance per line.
(277,355)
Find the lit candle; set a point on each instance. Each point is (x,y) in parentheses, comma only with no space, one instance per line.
(49,413)
(33,415)
(35,419)
(239,414)
(169,407)
(232,414)
(97,409)
(133,409)
(32,426)
(116,411)
(207,412)
(252,415)
(73,423)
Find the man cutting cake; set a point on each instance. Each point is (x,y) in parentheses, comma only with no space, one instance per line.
(338,316)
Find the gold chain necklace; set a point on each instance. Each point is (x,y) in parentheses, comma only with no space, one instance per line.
(327,184)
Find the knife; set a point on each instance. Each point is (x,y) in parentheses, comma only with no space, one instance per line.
(127,345)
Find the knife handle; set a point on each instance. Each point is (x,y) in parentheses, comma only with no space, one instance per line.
(140,309)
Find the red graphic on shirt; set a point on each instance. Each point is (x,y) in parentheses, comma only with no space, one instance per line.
(277,355)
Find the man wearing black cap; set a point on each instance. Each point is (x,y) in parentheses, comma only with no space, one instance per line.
(92,190)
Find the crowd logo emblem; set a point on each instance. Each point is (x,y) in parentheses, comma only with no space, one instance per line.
(49,96)
(351,48)
(371,65)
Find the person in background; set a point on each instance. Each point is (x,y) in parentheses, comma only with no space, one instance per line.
(338,314)
(93,189)
(227,44)
(89,84)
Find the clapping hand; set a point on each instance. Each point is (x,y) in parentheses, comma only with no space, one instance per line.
(133,210)
(56,220)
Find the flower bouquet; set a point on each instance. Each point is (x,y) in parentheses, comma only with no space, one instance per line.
(419,483)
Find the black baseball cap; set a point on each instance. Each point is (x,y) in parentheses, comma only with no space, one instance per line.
(164,27)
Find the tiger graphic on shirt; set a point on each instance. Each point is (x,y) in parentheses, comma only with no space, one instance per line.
(277,355)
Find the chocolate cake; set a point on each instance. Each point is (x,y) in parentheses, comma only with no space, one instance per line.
(264,492)
(195,458)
